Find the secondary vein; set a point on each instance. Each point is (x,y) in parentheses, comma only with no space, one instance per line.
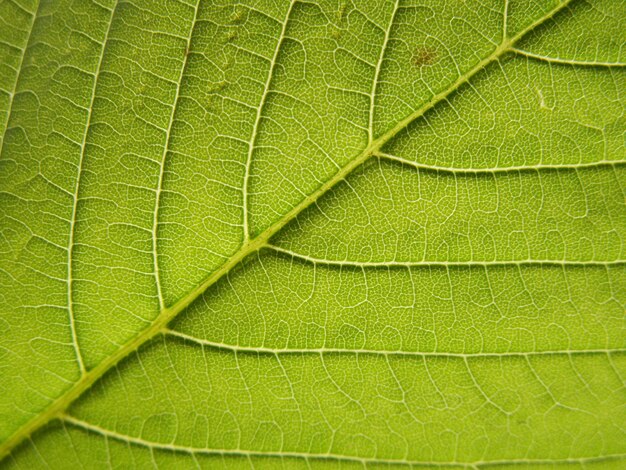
(382,352)
(166,147)
(75,198)
(94,429)
(259,112)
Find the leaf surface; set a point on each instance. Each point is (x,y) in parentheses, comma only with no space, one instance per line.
(313,234)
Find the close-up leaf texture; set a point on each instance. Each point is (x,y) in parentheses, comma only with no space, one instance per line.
(313,234)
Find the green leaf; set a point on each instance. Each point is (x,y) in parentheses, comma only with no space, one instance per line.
(313,234)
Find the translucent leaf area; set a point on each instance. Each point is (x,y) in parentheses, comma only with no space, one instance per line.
(313,234)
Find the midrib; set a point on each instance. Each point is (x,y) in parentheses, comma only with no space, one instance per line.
(253,245)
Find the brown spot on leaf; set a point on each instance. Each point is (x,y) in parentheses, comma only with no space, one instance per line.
(230,36)
(341,12)
(237,14)
(424,55)
(335,33)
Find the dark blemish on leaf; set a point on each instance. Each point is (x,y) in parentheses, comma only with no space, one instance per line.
(218,86)
(230,36)
(337,27)
(424,55)
(341,12)
(335,33)
(215,91)
(236,15)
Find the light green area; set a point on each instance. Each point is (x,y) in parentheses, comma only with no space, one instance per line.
(279,302)
(411,408)
(513,115)
(390,212)
(326,234)
(589,32)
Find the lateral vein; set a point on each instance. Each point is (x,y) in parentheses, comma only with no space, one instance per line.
(373,352)
(558,60)
(94,429)
(166,147)
(501,169)
(259,112)
(75,198)
(444,264)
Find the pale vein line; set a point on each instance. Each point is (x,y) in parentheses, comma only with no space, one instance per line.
(240,452)
(503,169)
(19,72)
(558,60)
(412,264)
(257,120)
(89,427)
(296,351)
(375,83)
(166,147)
(505,20)
(71,244)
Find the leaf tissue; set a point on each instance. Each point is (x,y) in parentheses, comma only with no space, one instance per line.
(313,234)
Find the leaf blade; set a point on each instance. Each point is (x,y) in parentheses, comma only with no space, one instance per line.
(167,314)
